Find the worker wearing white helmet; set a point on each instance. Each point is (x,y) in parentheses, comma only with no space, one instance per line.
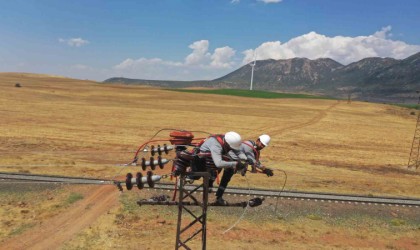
(252,149)
(218,145)
(216,150)
(264,139)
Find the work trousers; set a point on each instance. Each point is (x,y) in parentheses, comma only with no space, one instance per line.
(227,175)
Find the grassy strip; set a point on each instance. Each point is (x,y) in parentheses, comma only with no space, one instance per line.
(22,228)
(250,93)
(73,197)
(409,106)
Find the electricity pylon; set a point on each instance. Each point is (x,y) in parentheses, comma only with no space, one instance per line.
(413,161)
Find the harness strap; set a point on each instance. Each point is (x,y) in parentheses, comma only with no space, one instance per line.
(218,137)
(257,154)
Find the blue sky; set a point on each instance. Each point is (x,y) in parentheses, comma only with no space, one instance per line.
(193,39)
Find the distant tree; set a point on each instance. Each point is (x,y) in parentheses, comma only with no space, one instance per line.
(17,85)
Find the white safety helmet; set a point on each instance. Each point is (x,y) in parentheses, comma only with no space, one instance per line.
(233,139)
(265,139)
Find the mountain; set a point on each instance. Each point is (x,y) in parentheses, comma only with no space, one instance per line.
(295,74)
(382,79)
(371,79)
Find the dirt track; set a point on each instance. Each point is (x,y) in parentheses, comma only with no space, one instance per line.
(59,229)
(273,131)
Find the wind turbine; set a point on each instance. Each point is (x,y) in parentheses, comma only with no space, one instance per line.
(252,71)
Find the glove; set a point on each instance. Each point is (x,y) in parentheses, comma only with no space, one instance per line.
(268,172)
(240,165)
(243,171)
(254,168)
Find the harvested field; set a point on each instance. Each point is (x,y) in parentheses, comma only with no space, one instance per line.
(71,127)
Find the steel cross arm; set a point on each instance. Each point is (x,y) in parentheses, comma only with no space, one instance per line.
(189,203)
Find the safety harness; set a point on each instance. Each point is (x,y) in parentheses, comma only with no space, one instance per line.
(220,139)
(252,146)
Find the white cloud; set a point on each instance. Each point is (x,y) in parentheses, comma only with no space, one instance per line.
(199,64)
(235,1)
(144,62)
(203,63)
(340,48)
(384,32)
(74,42)
(270,1)
(222,57)
(199,54)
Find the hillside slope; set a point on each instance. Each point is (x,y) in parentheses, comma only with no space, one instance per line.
(371,79)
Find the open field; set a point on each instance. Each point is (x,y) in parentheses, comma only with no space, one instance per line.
(80,128)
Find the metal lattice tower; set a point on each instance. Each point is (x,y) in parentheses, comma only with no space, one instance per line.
(189,196)
(198,218)
(413,161)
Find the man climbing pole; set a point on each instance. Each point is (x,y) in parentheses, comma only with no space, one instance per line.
(216,152)
(252,149)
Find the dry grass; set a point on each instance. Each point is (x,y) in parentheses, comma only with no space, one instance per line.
(25,206)
(80,128)
(296,225)
(66,126)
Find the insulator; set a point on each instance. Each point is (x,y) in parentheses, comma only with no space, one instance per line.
(152,150)
(149,179)
(160,164)
(139,182)
(159,150)
(143,163)
(145,179)
(128,182)
(185,155)
(152,163)
(181,163)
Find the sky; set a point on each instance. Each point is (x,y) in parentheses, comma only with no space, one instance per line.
(197,39)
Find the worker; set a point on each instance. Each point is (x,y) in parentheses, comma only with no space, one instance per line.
(215,152)
(252,149)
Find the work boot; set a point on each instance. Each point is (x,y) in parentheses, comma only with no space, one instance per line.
(221,202)
(243,171)
(189,180)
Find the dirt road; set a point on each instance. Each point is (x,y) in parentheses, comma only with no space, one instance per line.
(54,232)
(273,130)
